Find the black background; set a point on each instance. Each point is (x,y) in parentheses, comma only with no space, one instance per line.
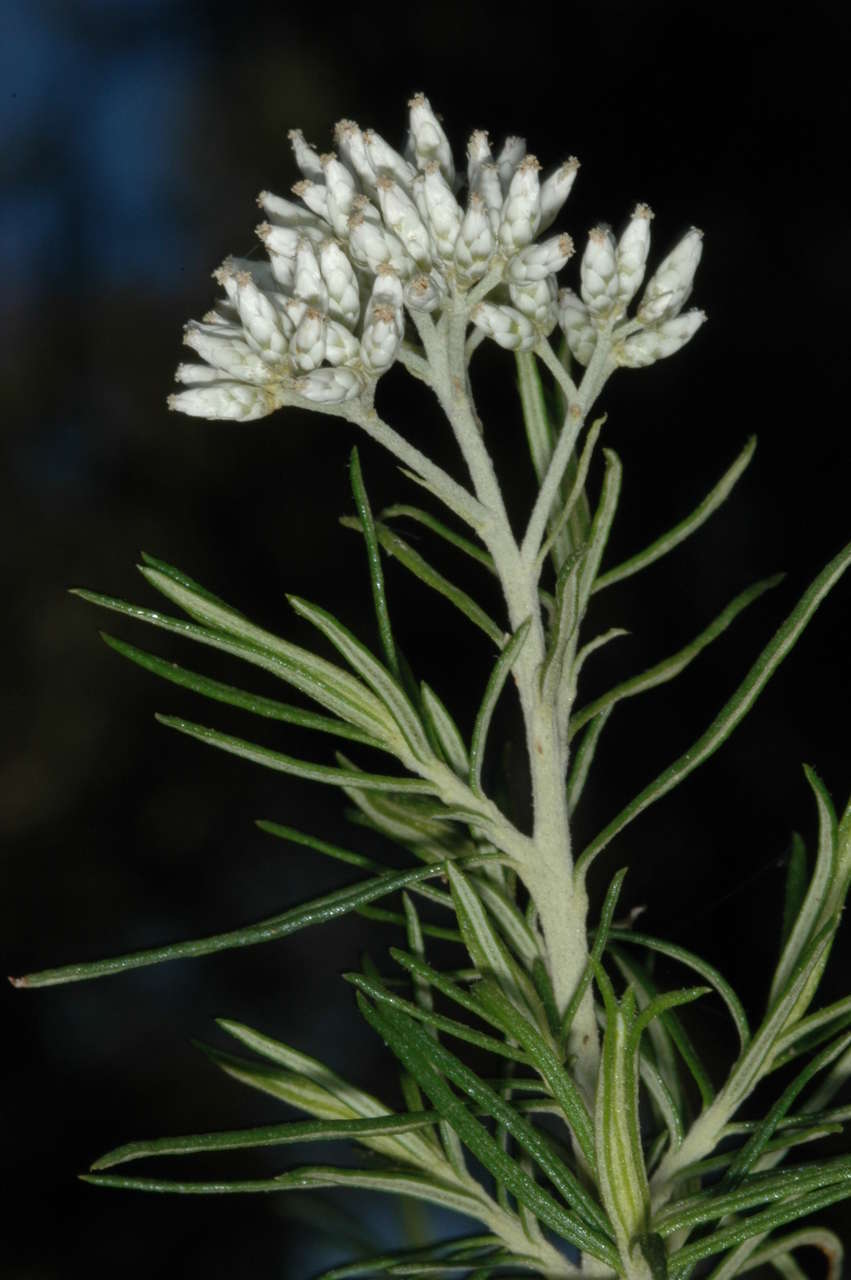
(135,137)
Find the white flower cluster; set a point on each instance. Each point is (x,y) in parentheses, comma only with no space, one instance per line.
(374,231)
(611,273)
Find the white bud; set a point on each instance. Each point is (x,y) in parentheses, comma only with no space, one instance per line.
(305,157)
(373,247)
(402,217)
(478,153)
(442,209)
(521,211)
(352,149)
(286,213)
(308,284)
(385,160)
(555,189)
(194,375)
(661,340)
(669,288)
(237,401)
(229,354)
(259,317)
(307,349)
(425,293)
(475,244)
(512,153)
(342,189)
(384,323)
(633,248)
(489,187)
(314,195)
(575,320)
(598,272)
(508,327)
(537,300)
(537,261)
(330,386)
(281,244)
(341,345)
(341,283)
(430,143)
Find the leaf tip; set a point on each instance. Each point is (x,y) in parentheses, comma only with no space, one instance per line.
(19,982)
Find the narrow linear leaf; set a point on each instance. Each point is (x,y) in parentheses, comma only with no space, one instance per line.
(183,579)
(271,708)
(733,712)
(400,510)
(376,574)
(420,568)
(289,764)
(661,546)
(601,935)
(671,667)
(557,542)
(318,911)
(499,675)
(819,1238)
(601,526)
(446,732)
(584,758)
(795,887)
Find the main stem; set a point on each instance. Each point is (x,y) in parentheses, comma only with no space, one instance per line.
(548,875)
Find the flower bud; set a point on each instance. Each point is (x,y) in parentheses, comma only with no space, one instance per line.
(330,386)
(281,244)
(306,158)
(342,190)
(633,247)
(382,333)
(478,153)
(259,318)
(341,345)
(575,321)
(384,159)
(286,213)
(669,288)
(341,283)
(537,261)
(227,353)
(402,217)
(475,244)
(307,349)
(237,401)
(430,143)
(555,189)
(598,272)
(314,195)
(537,300)
(508,327)
(372,246)
(512,153)
(194,375)
(442,209)
(425,293)
(352,149)
(663,339)
(521,211)
(489,188)
(308,284)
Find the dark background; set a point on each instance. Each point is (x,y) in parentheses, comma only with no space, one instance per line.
(135,135)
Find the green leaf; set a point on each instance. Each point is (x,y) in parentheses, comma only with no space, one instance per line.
(330,686)
(268,707)
(452,745)
(600,526)
(420,568)
(565,622)
(667,542)
(425,518)
(376,574)
(314,912)
(270,1135)
(487,950)
(812,908)
(183,579)
(795,888)
(671,667)
(600,940)
(694,962)
(498,1007)
(322,846)
(825,1241)
(429,1063)
(732,713)
(376,676)
(560,537)
(583,759)
(289,764)
(652,1247)
(499,675)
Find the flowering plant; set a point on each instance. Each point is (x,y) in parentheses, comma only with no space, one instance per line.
(600,1143)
